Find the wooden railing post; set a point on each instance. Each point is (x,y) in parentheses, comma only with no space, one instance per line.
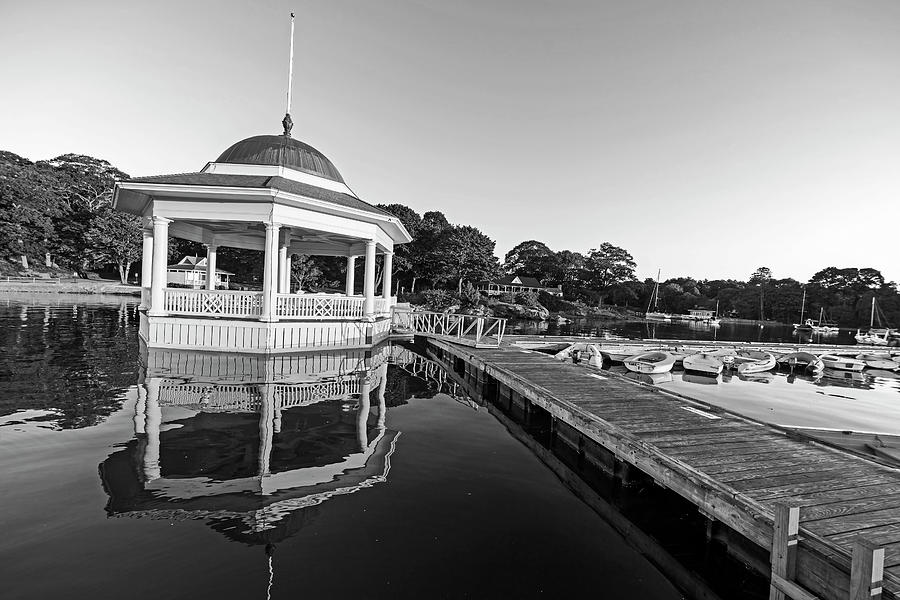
(866,570)
(783,558)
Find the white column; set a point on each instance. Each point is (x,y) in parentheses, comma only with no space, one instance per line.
(152,422)
(386,275)
(369,283)
(284,262)
(270,273)
(146,267)
(211,266)
(288,260)
(362,413)
(351,275)
(282,259)
(160,260)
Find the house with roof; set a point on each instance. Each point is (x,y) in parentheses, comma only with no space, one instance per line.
(516,283)
(192,271)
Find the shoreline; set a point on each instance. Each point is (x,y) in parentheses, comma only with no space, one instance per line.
(84,286)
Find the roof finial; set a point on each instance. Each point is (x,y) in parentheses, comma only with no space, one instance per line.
(287,122)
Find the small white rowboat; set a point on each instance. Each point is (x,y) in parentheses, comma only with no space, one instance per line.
(655,361)
(703,362)
(842,363)
(754,361)
(803,360)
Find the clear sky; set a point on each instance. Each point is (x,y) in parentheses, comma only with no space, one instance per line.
(708,138)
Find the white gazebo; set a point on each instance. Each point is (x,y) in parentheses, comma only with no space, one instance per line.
(279,195)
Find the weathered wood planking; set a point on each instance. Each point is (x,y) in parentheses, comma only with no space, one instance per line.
(731,467)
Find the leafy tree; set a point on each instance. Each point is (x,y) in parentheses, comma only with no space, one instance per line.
(761,278)
(29,207)
(305,272)
(531,259)
(84,189)
(466,254)
(404,261)
(114,237)
(425,250)
(608,267)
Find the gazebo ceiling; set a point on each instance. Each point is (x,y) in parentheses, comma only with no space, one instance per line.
(252,236)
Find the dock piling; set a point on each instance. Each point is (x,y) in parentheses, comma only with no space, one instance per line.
(785,536)
(866,571)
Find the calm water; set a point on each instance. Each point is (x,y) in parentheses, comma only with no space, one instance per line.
(128,473)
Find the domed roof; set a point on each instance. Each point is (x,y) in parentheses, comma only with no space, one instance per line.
(281,150)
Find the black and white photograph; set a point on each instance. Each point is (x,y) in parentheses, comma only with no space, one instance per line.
(474,299)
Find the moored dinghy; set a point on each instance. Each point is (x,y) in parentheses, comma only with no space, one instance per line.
(804,360)
(842,363)
(619,352)
(655,361)
(703,362)
(754,361)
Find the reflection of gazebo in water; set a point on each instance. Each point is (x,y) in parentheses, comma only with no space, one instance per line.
(248,445)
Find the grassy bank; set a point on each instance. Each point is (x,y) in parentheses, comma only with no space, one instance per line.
(76,286)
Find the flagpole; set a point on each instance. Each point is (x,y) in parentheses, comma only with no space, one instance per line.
(290,68)
(287,122)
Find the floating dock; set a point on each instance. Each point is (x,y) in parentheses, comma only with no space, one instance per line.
(830,519)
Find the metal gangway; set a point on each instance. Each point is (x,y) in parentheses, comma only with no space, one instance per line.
(467,330)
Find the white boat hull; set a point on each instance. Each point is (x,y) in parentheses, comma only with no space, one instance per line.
(650,362)
(842,363)
(751,362)
(703,363)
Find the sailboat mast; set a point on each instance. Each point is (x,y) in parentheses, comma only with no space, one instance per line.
(656,296)
(802,305)
(872,316)
(717,308)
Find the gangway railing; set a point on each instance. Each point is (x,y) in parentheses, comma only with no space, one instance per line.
(470,330)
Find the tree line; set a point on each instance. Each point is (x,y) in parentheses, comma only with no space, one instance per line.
(59,212)
(607,275)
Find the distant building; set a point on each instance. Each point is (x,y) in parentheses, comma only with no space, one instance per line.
(515,283)
(191,270)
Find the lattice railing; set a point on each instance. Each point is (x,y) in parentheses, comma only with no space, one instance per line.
(319,306)
(225,303)
(327,306)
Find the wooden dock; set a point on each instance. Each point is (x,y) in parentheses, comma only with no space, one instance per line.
(744,474)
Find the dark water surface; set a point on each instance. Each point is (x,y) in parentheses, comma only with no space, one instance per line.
(383,480)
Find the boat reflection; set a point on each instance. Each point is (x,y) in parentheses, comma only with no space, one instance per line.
(246,443)
(650,378)
(849,379)
(700,378)
(763,377)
